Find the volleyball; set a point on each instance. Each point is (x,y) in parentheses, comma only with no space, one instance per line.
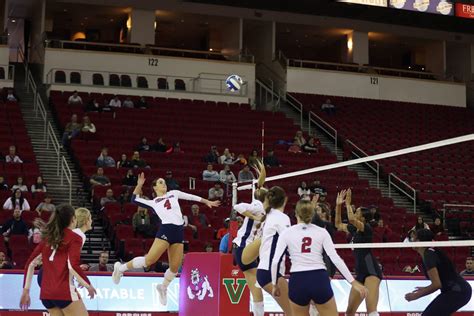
(234,82)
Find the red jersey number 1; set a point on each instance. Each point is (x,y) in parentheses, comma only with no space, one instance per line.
(167,204)
(306,246)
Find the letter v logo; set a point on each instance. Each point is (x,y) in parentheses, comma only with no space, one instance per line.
(235,294)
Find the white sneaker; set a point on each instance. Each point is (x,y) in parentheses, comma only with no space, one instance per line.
(117,275)
(162,294)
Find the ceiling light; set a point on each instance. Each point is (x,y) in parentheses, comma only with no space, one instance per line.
(13,20)
(210,49)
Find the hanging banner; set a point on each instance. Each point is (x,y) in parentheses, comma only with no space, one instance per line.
(464,10)
(375,3)
(442,7)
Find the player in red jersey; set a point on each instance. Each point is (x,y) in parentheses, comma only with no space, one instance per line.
(61,253)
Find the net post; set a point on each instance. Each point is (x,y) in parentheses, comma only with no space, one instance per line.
(234,193)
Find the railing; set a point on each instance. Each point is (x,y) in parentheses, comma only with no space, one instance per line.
(67,175)
(51,138)
(275,97)
(297,105)
(391,183)
(455,207)
(373,165)
(324,126)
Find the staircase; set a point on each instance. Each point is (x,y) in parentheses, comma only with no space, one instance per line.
(47,160)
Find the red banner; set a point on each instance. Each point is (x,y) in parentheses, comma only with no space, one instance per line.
(36,313)
(464,10)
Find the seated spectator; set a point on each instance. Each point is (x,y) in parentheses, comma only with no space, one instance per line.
(141,104)
(103,264)
(128,103)
(299,139)
(99,178)
(271,160)
(324,204)
(34,233)
(316,187)
(3,184)
(4,263)
(14,226)
(241,160)
(198,219)
(11,96)
(375,214)
(160,146)
(143,145)
(186,224)
(227,158)
(92,106)
(328,107)
(171,183)
(130,180)
(106,106)
(216,192)
(295,148)
(176,148)
(303,190)
(209,174)
(224,245)
(253,158)
(310,147)
(115,102)
(104,160)
(226,175)
(420,224)
(20,185)
(223,230)
(411,236)
(72,129)
(12,157)
(469,267)
(45,206)
(137,162)
(208,247)
(87,125)
(245,174)
(124,162)
(125,197)
(108,198)
(74,99)
(383,230)
(212,156)
(141,223)
(39,185)
(16,202)
(437,227)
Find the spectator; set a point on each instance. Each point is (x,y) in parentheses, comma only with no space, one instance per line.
(39,185)
(115,102)
(212,156)
(186,224)
(310,147)
(227,158)
(299,139)
(45,206)
(216,192)
(141,104)
(137,162)
(104,160)
(469,267)
(143,145)
(411,236)
(160,146)
(382,230)
(224,245)
(303,190)
(316,187)
(4,264)
(141,223)
(103,265)
(99,178)
(175,149)
(3,184)
(108,198)
(124,162)
(198,219)
(271,160)
(74,99)
(87,125)
(437,227)
(420,224)
(241,160)
(11,96)
(209,174)
(328,107)
(375,214)
(223,230)
(295,148)
(208,247)
(16,202)
(226,175)
(14,226)
(72,129)
(125,197)
(92,106)
(171,183)
(324,204)
(245,174)
(12,157)
(130,180)
(128,103)
(34,233)
(20,185)
(253,159)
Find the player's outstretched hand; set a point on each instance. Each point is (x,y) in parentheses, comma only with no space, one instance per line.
(363,291)
(349,197)
(92,291)
(212,204)
(25,300)
(276,291)
(141,179)
(341,197)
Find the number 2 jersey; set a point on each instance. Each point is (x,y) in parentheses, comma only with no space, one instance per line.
(167,207)
(247,232)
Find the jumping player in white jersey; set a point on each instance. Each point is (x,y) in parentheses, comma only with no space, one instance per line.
(170,235)
(253,213)
(275,222)
(309,279)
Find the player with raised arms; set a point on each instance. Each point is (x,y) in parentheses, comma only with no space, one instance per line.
(367,268)
(253,213)
(309,279)
(170,236)
(62,248)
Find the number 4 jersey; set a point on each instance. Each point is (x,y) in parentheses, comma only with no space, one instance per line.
(167,207)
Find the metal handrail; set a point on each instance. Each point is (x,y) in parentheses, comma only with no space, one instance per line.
(270,90)
(291,100)
(42,111)
(66,173)
(325,126)
(391,183)
(375,169)
(447,205)
(51,138)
